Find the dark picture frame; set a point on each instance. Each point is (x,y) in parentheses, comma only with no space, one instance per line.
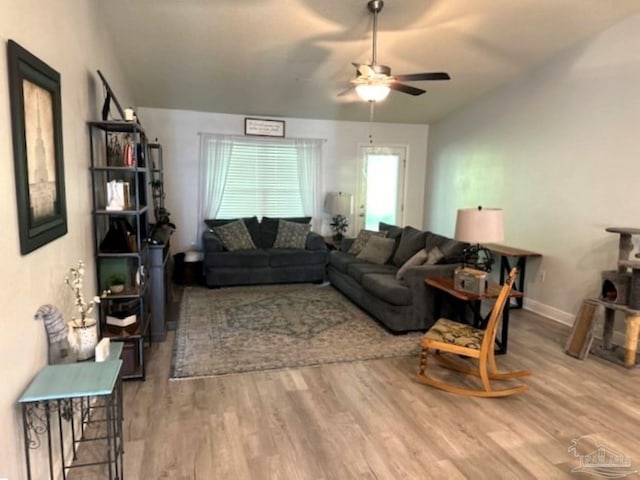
(262,127)
(36,121)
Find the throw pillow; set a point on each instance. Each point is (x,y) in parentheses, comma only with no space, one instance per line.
(362,239)
(251,222)
(269,228)
(411,241)
(418,259)
(291,235)
(235,236)
(434,256)
(377,250)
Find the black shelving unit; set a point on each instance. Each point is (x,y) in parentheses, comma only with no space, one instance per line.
(119,152)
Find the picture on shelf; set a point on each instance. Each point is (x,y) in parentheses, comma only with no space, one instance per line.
(118,195)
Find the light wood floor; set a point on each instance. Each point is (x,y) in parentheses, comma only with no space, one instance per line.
(372,420)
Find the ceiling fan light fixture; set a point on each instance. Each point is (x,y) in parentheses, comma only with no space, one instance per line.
(372,93)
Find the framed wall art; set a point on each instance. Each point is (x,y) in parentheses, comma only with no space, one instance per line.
(263,128)
(36,120)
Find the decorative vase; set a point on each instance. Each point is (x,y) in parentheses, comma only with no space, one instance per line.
(86,337)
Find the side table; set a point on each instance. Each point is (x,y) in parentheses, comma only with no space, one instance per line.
(521,257)
(71,392)
(474,302)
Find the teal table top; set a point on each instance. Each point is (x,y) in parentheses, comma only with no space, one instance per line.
(72,380)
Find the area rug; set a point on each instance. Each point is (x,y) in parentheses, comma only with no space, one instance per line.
(243,329)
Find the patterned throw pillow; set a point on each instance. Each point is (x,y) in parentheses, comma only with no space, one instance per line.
(362,239)
(377,250)
(235,236)
(291,235)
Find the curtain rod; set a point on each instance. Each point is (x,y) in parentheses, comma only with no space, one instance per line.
(244,137)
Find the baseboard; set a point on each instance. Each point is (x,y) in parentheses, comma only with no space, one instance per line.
(549,312)
(568,319)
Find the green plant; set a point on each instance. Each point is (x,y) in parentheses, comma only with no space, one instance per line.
(116,279)
(162,218)
(339,225)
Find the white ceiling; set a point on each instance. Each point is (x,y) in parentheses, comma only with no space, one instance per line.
(292,57)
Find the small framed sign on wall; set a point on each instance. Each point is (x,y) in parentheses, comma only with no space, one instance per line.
(263,128)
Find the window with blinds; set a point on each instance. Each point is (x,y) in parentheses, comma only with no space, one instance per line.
(262,180)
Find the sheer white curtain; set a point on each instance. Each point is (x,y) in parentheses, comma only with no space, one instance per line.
(217,154)
(215,157)
(309,153)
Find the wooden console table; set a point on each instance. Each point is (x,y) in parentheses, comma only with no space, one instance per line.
(71,392)
(521,257)
(474,302)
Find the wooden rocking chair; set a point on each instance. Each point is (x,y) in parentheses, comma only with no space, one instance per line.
(464,340)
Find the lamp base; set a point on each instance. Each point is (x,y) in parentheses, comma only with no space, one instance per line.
(478,257)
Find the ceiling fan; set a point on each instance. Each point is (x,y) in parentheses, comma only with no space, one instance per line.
(374,82)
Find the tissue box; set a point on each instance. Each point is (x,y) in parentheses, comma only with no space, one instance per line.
(470,280)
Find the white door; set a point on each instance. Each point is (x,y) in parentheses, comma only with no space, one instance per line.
(380,186)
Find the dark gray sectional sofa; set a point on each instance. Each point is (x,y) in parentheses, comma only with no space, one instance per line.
(263,264)
(400,305)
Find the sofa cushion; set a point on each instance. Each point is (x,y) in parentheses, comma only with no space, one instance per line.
(251,222)
(393,231)
(358,270)
(240,259)
(434,240)
(269,229)
(452,251)
(291,235)
(341,260)
(411,241)
(235,236)
(387,288)
(419,258)
(362,239)
(377,250)
(294,257)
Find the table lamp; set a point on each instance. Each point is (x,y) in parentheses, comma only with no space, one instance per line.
(338,204)
(477,226)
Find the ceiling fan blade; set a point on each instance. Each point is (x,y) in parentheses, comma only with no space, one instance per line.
(364,70)
(345,91)
(415,77)
(400,87)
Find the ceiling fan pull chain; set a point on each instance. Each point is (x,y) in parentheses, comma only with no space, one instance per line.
(371,107)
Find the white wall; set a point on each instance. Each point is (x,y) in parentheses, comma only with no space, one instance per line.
(559,150)
(177,131)
(69,37)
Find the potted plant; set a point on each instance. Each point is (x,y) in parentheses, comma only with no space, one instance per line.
(86,333)
(339,225)
(116,283)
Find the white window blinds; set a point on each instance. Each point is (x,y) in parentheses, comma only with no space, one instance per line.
(262,180)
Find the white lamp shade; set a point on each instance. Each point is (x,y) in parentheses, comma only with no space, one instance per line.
(479,225)
(372,93)
(338,203)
